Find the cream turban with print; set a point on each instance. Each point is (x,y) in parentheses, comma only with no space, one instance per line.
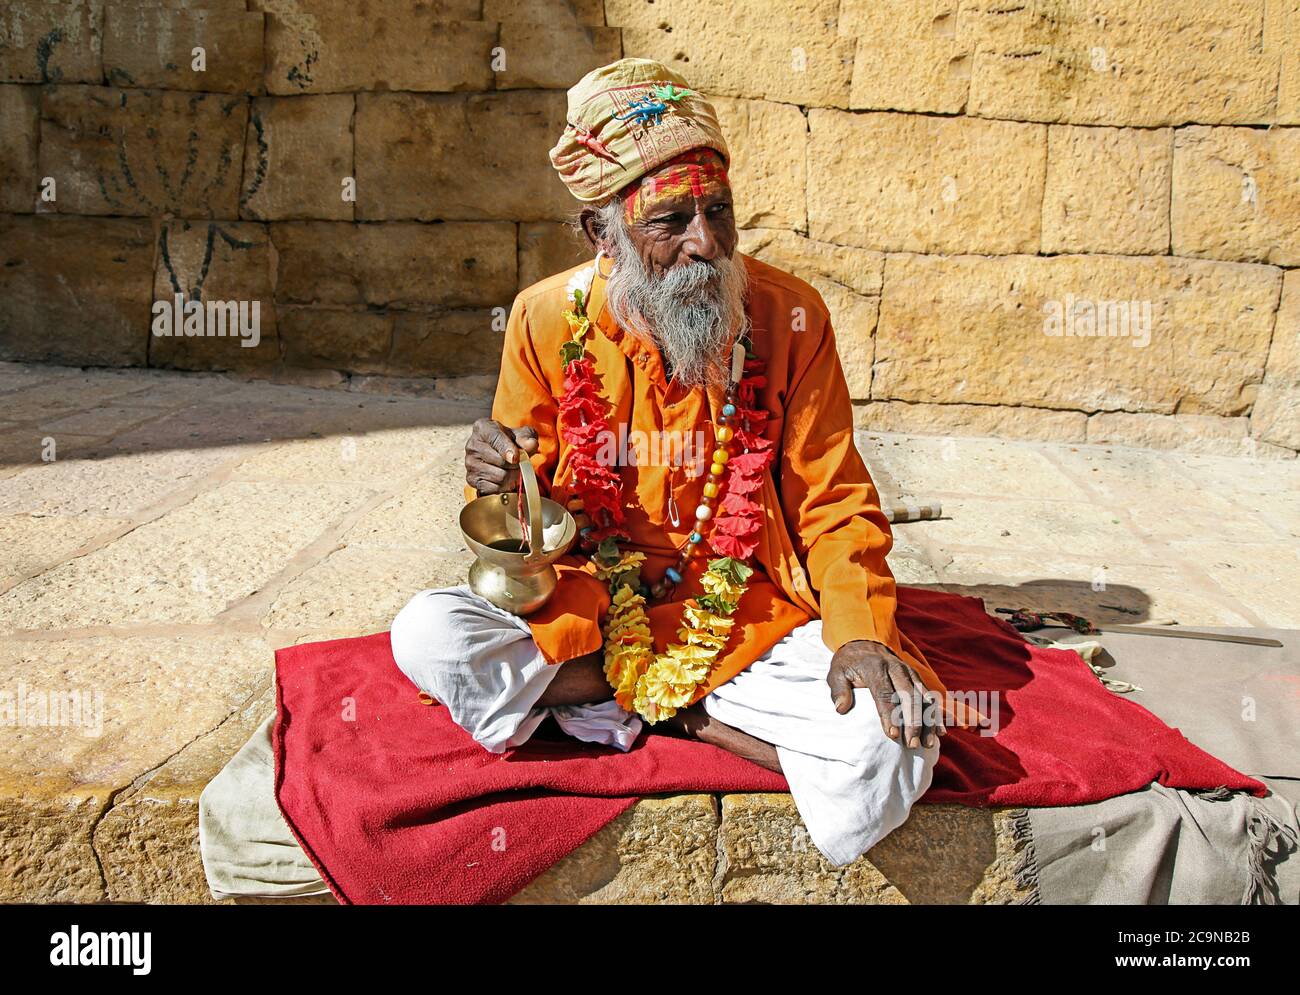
(628,119)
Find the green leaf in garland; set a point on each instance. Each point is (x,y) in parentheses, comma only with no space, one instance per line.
(734,570)
(608,551)
(628,578)
(715,604)
(571,350)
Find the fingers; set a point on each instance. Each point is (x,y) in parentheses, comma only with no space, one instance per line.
(841,690)
(909,703)
(882,695)
(485,471)
(497,438)
(487,479)
(933,714)
(492,455)
(527,439)
(922,710)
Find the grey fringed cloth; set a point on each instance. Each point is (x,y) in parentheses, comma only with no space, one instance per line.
(1165,846)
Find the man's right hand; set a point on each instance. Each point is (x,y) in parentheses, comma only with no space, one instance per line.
(492,456)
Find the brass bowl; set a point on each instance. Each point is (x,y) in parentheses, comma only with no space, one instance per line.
(506,571)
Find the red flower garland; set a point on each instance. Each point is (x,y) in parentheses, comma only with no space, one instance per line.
(584,428)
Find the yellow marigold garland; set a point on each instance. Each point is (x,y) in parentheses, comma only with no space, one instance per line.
(656,685)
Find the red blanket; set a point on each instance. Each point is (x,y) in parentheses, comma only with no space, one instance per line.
(394,803)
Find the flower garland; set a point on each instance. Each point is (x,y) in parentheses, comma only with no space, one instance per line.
(656,685)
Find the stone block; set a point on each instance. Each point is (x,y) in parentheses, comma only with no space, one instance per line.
(789,52)
(1015,330)
(153,46)
(228,268)
(999,420)
(768,170)
(911,56)
(143,152)
(1191,433)
(401,266)
(948,854)
(148,841)
(139,700)
(925,184)
(1107,190)
(1276,417)
(51,42)
(449,344)
(355,341)
(297,156)
(848,280)
(75,290)
(1120,62)
(1237,194)
(19,123)
(481,157)
(321,600)
(660,851)
(328,46)
(530,51)
(544,11)
(32,543)
(546,248)
(190,565)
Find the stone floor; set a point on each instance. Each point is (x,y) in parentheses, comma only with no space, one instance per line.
(188,525)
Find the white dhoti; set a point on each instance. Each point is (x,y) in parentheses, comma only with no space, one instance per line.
(851,783)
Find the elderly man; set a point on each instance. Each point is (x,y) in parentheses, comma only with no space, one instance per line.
(730,582)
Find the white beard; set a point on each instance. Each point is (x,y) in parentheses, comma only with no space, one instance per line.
(689,311)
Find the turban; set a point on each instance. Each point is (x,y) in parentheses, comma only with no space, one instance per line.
(626,120)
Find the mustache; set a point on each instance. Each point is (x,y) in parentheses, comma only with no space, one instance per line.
(690,278)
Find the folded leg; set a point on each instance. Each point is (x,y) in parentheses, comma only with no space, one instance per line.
(482,664)
(852,784)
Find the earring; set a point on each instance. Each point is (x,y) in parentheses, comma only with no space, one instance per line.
(600,254)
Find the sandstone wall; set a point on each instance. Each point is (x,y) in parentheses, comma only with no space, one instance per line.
(959,178)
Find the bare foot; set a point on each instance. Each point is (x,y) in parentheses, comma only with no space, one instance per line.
(696,723)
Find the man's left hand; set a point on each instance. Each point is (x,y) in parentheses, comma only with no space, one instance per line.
(870,665)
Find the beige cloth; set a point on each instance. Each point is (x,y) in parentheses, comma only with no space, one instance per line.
(1164,846)
(247,849)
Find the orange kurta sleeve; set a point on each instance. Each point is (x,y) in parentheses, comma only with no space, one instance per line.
(568,625)
(831,506)
(524,397)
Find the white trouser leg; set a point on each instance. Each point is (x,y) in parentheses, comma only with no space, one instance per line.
(852,784)
(482,664)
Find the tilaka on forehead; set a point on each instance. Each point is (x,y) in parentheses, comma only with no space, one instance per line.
(698,172)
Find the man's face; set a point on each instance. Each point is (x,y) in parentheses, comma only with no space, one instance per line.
(691,221)
(672,239)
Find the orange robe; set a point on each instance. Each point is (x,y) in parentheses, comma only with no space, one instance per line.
(822,549)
